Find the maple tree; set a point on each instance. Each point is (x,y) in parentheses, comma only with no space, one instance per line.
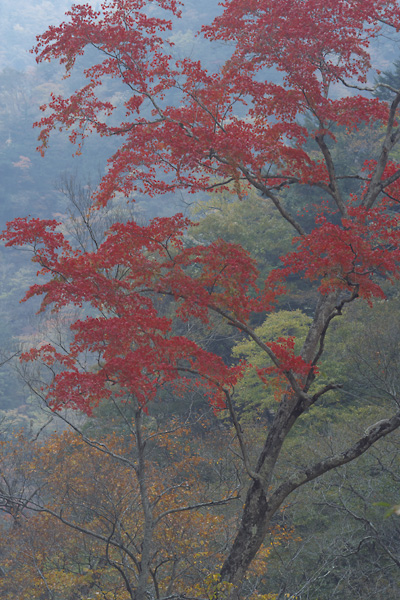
(234,128)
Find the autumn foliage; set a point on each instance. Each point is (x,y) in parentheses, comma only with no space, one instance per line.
(102,520)
(84,530)
(232,129)
(125,277)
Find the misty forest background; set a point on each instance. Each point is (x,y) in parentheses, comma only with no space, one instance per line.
(340,545)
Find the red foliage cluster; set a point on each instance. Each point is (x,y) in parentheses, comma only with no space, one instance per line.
(135,350)
(315,43)
(351,254)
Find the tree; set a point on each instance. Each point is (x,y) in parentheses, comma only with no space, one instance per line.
(122,516)
(234,127)
(391,80)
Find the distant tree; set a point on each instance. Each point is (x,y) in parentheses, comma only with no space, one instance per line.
(387,82)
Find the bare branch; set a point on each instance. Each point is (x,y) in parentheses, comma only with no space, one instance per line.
(373,434)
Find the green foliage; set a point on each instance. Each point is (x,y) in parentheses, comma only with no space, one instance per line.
(364,353)
(254,400)
(252,223)
(344,548)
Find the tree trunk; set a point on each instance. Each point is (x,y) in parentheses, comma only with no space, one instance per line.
(257,512)
(250,536)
